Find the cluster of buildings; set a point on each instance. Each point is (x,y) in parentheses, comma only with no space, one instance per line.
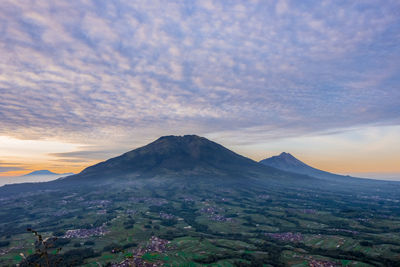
(210,210)
(166,216)
(157,244)
(98,203)
(137,262)
(264,196)
(219,218)
(188,199)
(322,263)
(213,214)
(288,237)
(85,233)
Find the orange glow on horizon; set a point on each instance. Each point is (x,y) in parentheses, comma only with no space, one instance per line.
(340,165)
(362,150)
(353,165)
(50,167)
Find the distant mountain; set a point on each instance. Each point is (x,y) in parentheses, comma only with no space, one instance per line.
(41,172)
(287,162)
(47,172)
(188,155)
(37,177)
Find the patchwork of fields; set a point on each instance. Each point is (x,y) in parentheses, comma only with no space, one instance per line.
(198,225)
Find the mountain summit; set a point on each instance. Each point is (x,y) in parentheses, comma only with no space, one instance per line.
(287,162)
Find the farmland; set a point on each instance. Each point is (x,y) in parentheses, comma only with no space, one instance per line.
(198,225)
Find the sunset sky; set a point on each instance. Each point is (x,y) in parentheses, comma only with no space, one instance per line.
(83,81)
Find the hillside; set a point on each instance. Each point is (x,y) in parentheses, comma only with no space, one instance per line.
(188,155)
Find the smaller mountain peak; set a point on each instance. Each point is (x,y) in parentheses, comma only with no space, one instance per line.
(287,162)
(41,172)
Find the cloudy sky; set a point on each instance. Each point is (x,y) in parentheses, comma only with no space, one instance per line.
(81,81)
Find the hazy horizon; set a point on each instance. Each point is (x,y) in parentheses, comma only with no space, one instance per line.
(44,178)
(298,146)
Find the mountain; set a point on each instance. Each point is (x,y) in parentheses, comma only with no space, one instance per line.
(38,177)
(41,172)
(171,160)
(46,172)
(287,162)
(188,155)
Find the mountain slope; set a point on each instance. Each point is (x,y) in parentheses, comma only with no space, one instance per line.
(188,155)
(287,162)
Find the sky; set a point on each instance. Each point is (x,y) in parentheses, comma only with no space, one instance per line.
(82,81)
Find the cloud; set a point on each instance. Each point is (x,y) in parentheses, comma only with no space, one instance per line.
(111,70)
(281,7)
(82,155)
(9,167)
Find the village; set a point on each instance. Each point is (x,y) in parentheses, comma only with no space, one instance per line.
(154,245)
(85,233)
(213,214)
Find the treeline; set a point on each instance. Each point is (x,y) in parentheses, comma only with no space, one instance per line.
(72,257)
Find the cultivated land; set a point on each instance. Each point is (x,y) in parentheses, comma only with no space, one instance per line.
(194,220)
